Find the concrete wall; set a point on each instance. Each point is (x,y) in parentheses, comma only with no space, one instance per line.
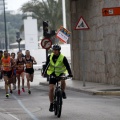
(101,43)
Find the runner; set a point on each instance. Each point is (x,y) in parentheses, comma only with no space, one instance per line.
(29,68)
(7,65)
(14,71)
(20,71)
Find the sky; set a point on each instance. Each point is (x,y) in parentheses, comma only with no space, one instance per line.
(15,4)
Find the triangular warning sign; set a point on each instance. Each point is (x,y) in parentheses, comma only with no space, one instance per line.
(81,25)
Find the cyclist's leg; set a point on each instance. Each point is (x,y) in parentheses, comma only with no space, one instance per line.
(63,86)
(51,92)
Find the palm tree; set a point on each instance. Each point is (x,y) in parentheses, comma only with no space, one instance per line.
(48,10)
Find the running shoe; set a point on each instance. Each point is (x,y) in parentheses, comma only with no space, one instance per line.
(11,91)
(29,91)
(23,89)
(18,92)
(7,95)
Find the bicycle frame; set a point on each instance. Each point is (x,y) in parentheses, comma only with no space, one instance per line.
(58,98)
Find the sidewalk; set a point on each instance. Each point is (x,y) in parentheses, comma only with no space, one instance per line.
(90,87)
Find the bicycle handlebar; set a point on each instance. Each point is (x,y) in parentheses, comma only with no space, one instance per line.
(58,78)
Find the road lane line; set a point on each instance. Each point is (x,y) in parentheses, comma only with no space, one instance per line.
(13,116)
(26,110)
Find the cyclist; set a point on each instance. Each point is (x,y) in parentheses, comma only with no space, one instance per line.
(56,65)
(29,68)
(7,65)
(20,71)
(14,71)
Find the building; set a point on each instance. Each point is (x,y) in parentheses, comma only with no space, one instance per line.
(101,43)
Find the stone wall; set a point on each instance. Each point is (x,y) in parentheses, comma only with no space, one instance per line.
(101,43)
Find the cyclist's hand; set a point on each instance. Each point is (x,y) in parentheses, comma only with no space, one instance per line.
(70,75)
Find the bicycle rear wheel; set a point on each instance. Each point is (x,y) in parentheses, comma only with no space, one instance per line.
(55,102)
(59,103)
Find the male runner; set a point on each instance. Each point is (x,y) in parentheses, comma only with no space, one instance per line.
(29,68)
(7,65)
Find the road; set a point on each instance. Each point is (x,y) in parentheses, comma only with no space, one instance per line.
(77,106)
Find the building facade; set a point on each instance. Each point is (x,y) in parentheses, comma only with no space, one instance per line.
(100,61)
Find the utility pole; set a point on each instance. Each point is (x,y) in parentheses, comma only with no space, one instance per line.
(5,23)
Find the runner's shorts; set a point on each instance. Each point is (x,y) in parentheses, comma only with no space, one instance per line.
(8,73)
(18,72)
(29,70)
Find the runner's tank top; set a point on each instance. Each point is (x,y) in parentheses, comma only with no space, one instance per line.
(6,62)
(20,64)
(29,62)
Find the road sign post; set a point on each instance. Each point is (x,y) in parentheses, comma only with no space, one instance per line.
(46,44)
(82,25)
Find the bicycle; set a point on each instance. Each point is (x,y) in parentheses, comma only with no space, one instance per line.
(58,96)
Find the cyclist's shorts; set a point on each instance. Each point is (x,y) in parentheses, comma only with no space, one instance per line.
(8,73)
(29,70)
(19,72)
(52,80)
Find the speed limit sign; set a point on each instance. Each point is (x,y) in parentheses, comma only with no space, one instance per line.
(46,43)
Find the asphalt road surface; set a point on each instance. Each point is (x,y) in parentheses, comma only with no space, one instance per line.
(77,106)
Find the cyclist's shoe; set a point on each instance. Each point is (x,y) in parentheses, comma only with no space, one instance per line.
(64,95)
(23,89)
(29,91)
(7,95)
(11,91)
(51,107)
(18,92)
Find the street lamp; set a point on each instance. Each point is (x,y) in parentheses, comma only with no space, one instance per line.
(8,34)
(5,24)
(64,13)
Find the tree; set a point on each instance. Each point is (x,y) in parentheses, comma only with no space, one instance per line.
(13,22)
(48,10)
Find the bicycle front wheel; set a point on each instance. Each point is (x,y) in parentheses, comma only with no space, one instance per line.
(59,103)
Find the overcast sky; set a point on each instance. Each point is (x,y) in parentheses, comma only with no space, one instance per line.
(15,4)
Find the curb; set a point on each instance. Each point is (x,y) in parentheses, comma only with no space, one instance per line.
(95,92)
(111,93)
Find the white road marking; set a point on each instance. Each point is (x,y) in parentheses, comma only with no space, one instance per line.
(26,110)
(13,116)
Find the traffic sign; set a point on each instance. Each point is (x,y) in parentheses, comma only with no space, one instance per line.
(111,11)
(81,24)
(46,43)
(63,34)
